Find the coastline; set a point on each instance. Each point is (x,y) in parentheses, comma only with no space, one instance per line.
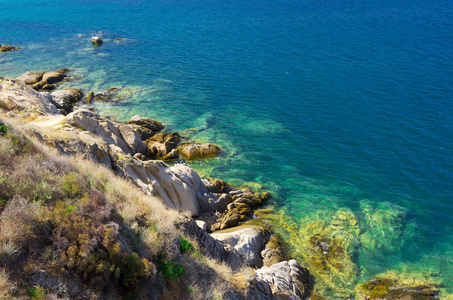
(179,187)
(129,160)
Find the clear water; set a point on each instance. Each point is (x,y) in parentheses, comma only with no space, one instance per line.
(342,109)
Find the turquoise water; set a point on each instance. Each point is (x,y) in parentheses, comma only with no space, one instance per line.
(331,105)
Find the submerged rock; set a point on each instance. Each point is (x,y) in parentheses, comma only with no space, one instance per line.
(386,288)
(196,151)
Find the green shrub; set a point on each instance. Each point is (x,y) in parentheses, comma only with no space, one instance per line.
(72,186)
(2,203)
(3,130)
(37,293)
(132,239)
(171,270)
(20,143)
(185,246)
(93,251)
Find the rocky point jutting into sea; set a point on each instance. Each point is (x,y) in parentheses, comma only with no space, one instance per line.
(214,220)
(134,150)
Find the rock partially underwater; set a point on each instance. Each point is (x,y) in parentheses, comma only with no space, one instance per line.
(44,80)
(7,48)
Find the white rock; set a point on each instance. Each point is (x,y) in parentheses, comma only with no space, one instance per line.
(248,241)
(201,224)
(121,137)
(96,40)
(14,94)
(286,278)
(176,186)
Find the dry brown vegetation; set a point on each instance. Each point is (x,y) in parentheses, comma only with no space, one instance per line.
(72,228)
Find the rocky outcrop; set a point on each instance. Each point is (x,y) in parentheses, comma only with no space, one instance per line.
(218,186)
(30,77)
(241,208)
(149,123)
(179,187)
(7,48)
(196,151)
(66,99)
(288,280)
(120,137)
(15,95)
(162,144)
(96,151)
(247,240)
(43,80)
(209,246)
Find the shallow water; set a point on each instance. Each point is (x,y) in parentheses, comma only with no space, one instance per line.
(343,109)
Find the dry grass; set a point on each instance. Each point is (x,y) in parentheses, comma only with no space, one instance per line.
(16,223)
(5,284)
(42,180)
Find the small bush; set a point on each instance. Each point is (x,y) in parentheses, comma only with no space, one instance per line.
(37,293)
(73,186)
(171,270)
(21,144)
(3,130)
(185,246)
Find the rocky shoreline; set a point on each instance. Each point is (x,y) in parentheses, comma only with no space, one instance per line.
(219,218)
(135,150)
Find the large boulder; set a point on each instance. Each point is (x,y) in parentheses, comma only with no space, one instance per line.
(52,77)
(43,80)
(30,77)
(240,209)
(162,144)
(288,279)
(146,122)
(179,186)
(247,240)
(120,137)
(196,151)
(15,95)
(65,99)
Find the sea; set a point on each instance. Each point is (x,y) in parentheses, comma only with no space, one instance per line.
(342,109)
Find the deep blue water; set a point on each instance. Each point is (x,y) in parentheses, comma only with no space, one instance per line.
(330,105)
